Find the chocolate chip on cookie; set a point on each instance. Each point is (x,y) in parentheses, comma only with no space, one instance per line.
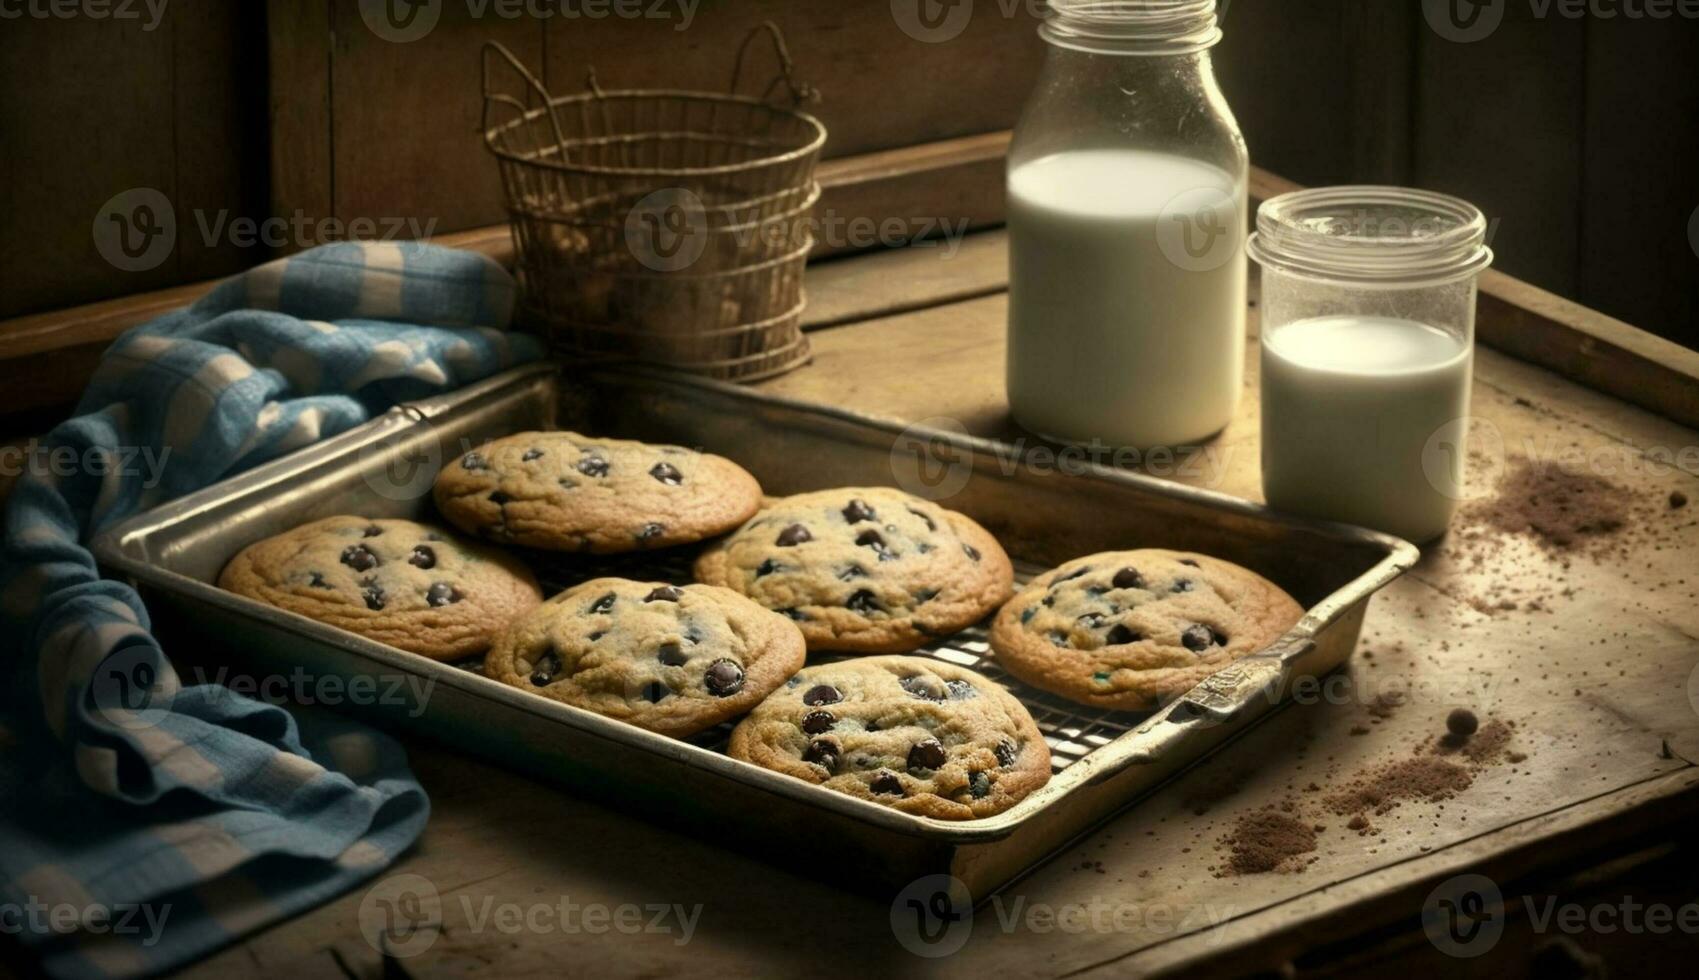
(918,735)
(865,569)
(724,678)
(674,660)
(359,557)
(397,582)
(822,694)
(565,492)
(1134,629)
(857,511)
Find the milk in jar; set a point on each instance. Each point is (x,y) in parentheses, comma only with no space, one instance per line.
(1126,219)
(1367,318)
(1126,297)
(1363,421)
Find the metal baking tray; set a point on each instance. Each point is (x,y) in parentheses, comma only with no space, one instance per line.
(1102,760)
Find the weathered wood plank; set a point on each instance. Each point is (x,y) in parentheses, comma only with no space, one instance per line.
(881,87)
(1640,177)
(52,71)
(405,116)
(1526,174)
(298,48)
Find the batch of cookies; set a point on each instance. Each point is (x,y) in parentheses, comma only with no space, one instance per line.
(872,572)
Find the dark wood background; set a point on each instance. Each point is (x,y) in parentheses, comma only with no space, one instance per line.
(1579,137)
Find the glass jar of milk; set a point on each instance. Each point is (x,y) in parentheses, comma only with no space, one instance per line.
(1126,214)
(1368,342)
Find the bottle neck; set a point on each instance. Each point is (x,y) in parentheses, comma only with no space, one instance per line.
(1133,27)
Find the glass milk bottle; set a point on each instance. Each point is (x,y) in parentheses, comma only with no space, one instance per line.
(1126,213)
(1368,344)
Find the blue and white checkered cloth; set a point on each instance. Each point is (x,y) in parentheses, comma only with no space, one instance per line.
(129,848)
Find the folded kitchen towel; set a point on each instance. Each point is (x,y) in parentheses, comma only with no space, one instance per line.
(144,823)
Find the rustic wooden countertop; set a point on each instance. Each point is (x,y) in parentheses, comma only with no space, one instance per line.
(1595,666)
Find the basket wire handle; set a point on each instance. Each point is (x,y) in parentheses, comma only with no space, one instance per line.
(801,92)
(523,108)
(594,85)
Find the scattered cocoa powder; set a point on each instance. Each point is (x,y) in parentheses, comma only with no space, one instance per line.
(1568,514)
(1277,837)
(1562,508)
(1382,788)
(1268,840)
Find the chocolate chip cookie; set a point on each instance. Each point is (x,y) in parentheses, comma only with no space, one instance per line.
(565,492)
(674,660)
(412,586)
(912,733)
(1130,630)
(864,570)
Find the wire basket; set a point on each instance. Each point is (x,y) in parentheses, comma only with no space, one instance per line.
(661,225)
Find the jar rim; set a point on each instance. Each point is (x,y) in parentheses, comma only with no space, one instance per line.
(1371,234)
(1133,26)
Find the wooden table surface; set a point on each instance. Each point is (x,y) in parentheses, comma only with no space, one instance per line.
(1595,667)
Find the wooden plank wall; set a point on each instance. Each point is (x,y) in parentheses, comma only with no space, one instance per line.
(91,108)
(1580,137)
